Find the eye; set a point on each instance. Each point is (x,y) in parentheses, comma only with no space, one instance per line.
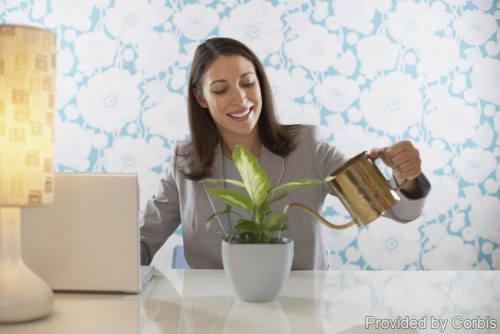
(249,84)
(219,91)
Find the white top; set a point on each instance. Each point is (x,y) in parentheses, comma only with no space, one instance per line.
(231,172)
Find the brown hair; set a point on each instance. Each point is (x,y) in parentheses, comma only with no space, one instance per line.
(275,137)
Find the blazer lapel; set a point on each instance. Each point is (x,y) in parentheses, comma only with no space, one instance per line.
(217,172)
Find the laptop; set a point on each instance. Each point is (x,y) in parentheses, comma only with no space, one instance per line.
(88,239)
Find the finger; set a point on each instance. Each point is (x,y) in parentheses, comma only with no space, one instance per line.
(405,159)
(376,152)
(407,171)
(408,164)
(399,156)
(399,148)
(398,153)
(391,157)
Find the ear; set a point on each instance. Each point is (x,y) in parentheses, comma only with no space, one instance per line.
(201,100)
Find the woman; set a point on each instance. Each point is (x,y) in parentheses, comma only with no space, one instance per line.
(229,103)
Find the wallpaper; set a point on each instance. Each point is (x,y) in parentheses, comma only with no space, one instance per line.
(369,72)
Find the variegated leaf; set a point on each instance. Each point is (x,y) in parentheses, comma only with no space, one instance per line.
(230,181)
(231,197)
(296,184)
(254,177)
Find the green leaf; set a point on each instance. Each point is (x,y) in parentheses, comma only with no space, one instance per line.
(277,197)
(217,214)
(231,197)
(233,182)
(296,184)
(246,226)
(210,180)
(236,183)
(254,177)
(275,223)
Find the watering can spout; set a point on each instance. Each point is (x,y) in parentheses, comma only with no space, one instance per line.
(363,190)
(319,217)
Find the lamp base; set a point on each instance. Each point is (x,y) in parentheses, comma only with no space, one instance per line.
(23,295)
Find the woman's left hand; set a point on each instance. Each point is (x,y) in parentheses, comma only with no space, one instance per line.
(404,160)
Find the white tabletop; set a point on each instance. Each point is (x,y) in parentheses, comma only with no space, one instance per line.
(201,301)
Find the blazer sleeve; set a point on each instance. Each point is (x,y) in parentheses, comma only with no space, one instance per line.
(408,209)
(161,217)
(328,158)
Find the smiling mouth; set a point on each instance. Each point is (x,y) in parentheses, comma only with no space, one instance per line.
(241,114)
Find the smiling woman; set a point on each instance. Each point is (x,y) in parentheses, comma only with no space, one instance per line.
(230,106)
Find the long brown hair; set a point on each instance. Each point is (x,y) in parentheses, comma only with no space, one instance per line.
(275,137)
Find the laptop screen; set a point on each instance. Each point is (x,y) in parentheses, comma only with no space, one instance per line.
(88,239)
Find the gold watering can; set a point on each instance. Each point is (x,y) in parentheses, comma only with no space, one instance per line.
(363,190)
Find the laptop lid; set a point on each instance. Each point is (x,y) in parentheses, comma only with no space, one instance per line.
(88,239)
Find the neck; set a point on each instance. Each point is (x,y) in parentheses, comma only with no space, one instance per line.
(251,143)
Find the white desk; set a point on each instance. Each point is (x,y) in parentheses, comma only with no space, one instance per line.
(200,301)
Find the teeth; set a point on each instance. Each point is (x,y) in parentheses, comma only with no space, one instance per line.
(241,114)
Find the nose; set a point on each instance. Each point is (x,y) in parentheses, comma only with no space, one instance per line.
(239,96)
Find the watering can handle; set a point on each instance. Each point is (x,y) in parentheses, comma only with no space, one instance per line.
(402,185)
(318,217)
(399,187)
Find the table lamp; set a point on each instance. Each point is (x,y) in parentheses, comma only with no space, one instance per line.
(27,75)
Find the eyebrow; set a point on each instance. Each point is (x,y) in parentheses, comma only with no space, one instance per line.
(224,80)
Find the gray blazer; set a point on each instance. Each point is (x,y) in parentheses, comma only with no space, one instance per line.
(184,202)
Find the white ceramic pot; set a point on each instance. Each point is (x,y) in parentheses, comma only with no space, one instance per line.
(257,272)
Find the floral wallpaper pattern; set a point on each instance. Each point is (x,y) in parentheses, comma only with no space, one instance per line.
(369,72)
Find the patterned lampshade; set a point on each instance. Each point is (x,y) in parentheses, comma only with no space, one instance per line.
(27,81)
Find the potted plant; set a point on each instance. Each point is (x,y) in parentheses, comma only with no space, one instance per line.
(256,262)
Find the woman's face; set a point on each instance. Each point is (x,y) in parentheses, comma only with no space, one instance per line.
(231,92)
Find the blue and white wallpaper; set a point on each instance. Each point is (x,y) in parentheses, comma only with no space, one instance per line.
(370,72)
